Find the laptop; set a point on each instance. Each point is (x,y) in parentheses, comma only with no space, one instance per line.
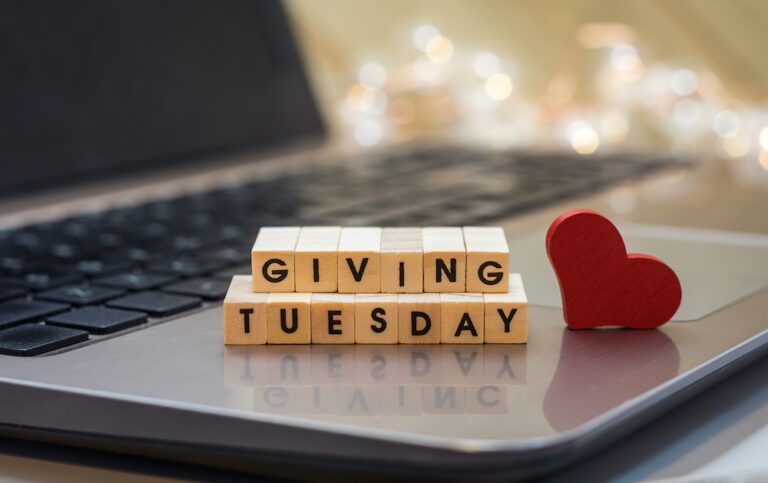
(143,146)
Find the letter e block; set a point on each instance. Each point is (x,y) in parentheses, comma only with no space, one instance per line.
(333,318)
(245,314)
(272,259)
(462,318)
(487,259)
(506,314)
(418,318)
(376,318)
(288,318)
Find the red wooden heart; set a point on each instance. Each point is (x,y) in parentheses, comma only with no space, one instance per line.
(602,285)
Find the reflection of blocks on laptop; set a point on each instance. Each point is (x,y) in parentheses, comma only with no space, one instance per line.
(272,259)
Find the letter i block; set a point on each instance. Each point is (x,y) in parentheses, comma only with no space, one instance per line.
(418,318)
(376,318)
(506,314)
(402,260)
(245,314)
(288,318)
(316,259)
(462,318)
(487,259)
(333,318)
(272,259)
(360,260)
(445,259)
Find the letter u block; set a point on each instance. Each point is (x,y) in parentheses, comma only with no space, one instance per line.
(418,318)
(288,318)
(245,313)
(272,259)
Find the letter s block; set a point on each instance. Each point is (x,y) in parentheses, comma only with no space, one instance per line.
(418,318)
(272,259)
(245,314)
(376,318)
(487,259)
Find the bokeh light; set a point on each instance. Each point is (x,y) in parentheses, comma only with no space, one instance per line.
(423,34)
(498,86)
(439,49)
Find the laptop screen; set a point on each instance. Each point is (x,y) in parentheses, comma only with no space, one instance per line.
(92,88)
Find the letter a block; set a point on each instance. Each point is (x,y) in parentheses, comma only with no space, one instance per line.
(506,314)
(316,259)
(245,314)
(272,259)
(487,259)
(288,318)
(402,265)
(360,260)
(376,318)
(444,259)
(462,318)
(333,318)
(418,318)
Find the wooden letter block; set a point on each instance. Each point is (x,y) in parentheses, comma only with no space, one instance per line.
(402,261)
(333,318)
(360,260)
(462,318)
(445,259)
(288,318)
(272,259)
(487,259)
(376,318)
(316,259)
(418,318)
(245,313)
(506,314)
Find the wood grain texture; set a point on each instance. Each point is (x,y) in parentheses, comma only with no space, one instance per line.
(288,318)
(272,259)
(602,285)
(418,318)
(445,259)
(333,318)
(376,318)
(506,314)
(402,261)
(462,318)
(316,259)
(359,260)
(487,259)
(245,314)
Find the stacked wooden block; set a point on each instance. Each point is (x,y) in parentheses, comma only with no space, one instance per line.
(333,285)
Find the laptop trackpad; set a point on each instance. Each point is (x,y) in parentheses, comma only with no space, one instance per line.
(716,268)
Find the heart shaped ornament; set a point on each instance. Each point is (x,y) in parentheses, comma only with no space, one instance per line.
(601,285)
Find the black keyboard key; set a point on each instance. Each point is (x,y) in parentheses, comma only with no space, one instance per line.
(94,267)
(15,312)
(231,272)
(80,294)
(36,339)
(45,278)
(8,292)
(98,320)
(208,289)
(186,267)
(157,304)
(135,281)
(237,254)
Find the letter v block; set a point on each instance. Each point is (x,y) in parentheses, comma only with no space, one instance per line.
(272,259)
(245,314)
(288,318)
(444,259)
(487,259)
(360,260)
(418,318)
(333,318)
(506,314)
(462,318)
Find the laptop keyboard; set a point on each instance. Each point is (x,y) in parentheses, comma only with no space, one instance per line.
(68,281)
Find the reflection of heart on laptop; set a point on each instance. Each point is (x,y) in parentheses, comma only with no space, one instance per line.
(602,285)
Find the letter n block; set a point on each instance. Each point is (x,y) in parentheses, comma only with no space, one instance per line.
(418,318)
(445,259)
(272,259)
(245,314)
(376,318)
(333,318)
(462,318)
(288,318)
(506,314)
(487,259)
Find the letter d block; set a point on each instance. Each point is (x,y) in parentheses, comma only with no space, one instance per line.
(418,318)
(245,314)
(288,318)
(333,318)
(272,259)
(462,318)
(375,318)
(487,259)
(506,314)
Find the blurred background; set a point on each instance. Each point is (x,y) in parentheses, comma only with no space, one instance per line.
(589,76)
